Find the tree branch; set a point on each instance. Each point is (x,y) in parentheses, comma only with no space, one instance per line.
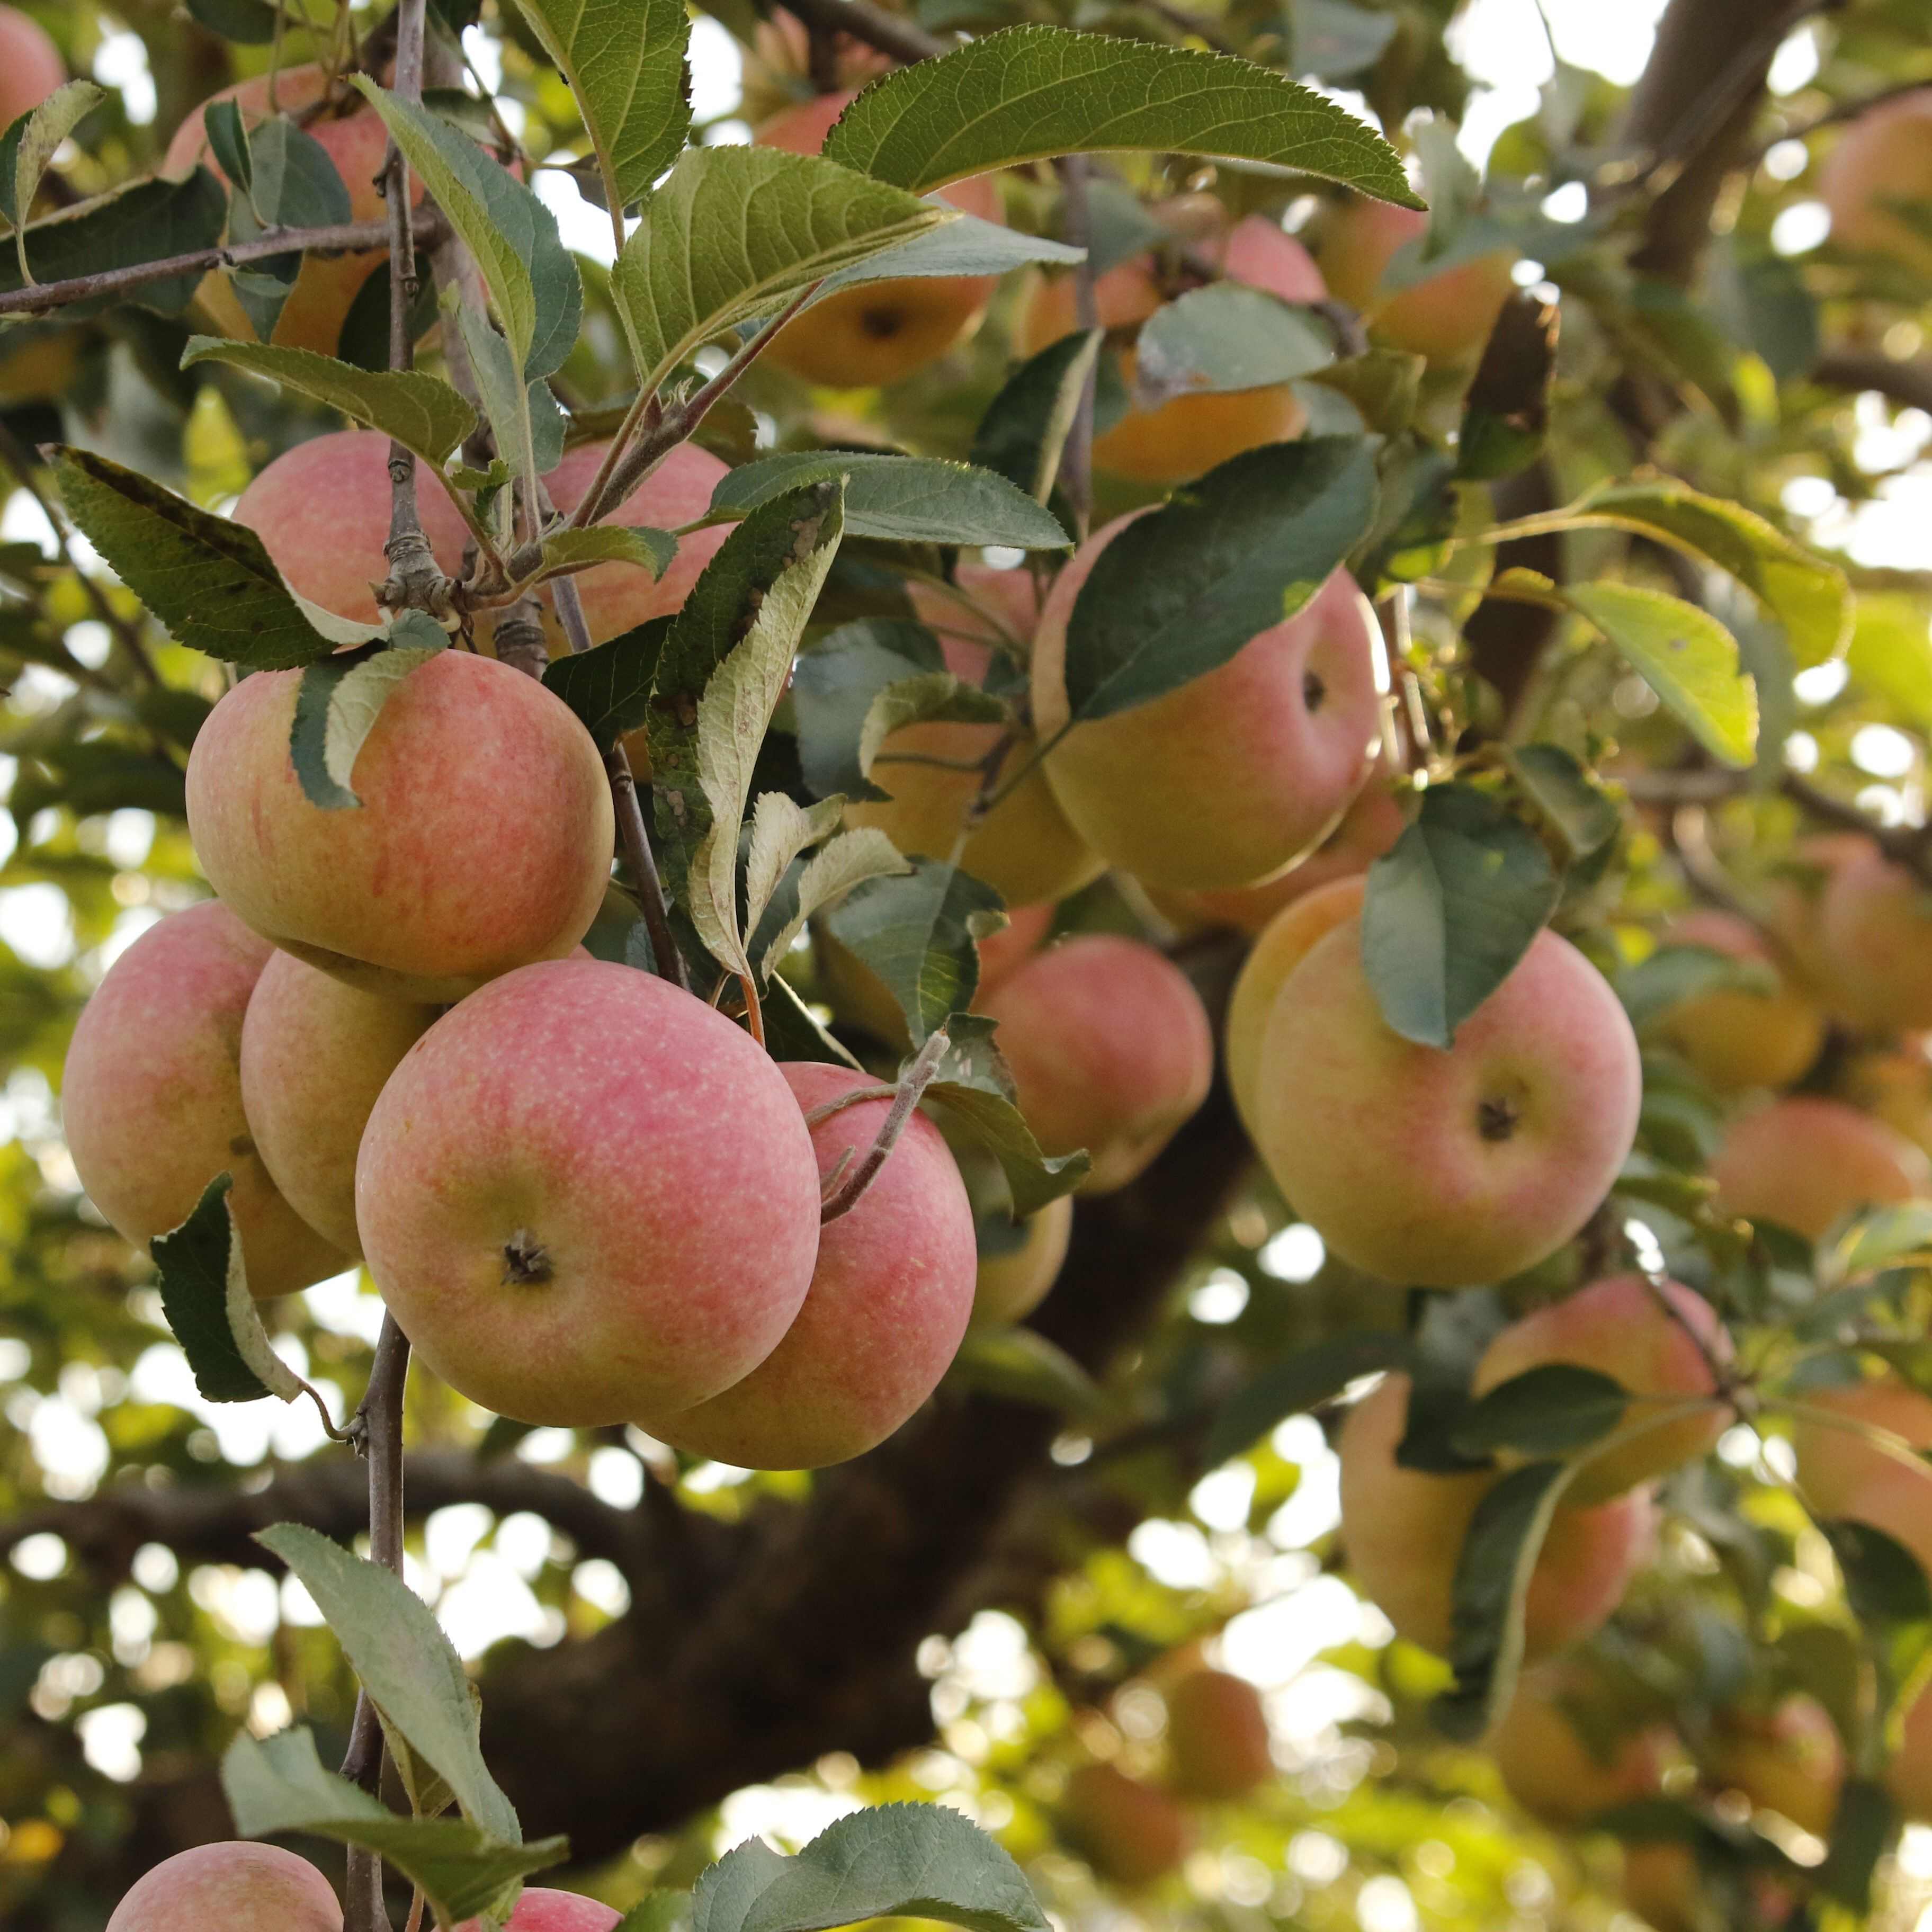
(890,33)
(1906,383)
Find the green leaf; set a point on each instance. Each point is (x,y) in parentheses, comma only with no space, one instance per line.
(793,1031)
(500,386)
(1226,558)
(964,246)
(781,830)
(835,684)
(664,1910)
(145,221)
(337,705)
(533,283)
(844,861)
(975,1086)
(1567,797)
(1031,93)
(1450,911)
(1887,1238)
(227,131)
(1862,1825)
(919,933)
(426,1788)
(1021,1365)
(1309,1376)
(725,1892)
(1547,1411)
(625,60)
(776,537)
(1331,39)
(27,146)
(1225,336)
(293,183)
(1890,655)
(735,712)
(395,1646)
(1884,1583)
(735,230)
(205,1296)
(609,686)
(1685,656)
(278,1784)
(1675,973)
(208,580)
(913,1860)
(247,22)
(1024,433)
(931,696)
(421,413)
(901,499)
(566,551)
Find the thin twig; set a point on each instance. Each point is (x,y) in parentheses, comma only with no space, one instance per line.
(913,1084)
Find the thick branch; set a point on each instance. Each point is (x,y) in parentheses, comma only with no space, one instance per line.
(1907,383)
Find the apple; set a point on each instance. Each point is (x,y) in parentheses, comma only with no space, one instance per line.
(1805,1162)
(882,332)
(1877,934)
(151,1097)
(541,1909)
(1270,962)
(353,135)
(1736,1039)
(1794,900)
(1662,1885)
(1556,1774)
(1657,1342)
(1238,772)
(483,842)
(1837,1464)
(237,1886)
(1110,1050)
(891,1295)
(1884,157)
(1894,1083)
(1446,316)
(1131,1833)
(316,1052)
(588,1197)
(1403,1531)
(1009,1286)
(1787,1760)
(1908,1778)
(1218,1745)
(1002,953)
(1444,1168)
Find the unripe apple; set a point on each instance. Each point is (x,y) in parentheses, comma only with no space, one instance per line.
(1403,1530)
(483,841)
(883,331)
(588,1197)
(321,510)
(541,1909)
(891,1293)
(356,140)
(1788,1760)
(1877,934)
(238,1886)
(1270,962)
(1736,1038)
(1130,1833)
(1805,1162)
(1553,1770)
(1446,316)
(1110,1050)
(1217,1736)
(1885,157)
(1657,1341)
(1238,772)
(1837,1465)
(1011,1284)
(316,1052)
(31,66)
(1369,826)
(151,1097)
(1442,1169)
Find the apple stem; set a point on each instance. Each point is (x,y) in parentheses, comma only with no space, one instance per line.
(913,1083)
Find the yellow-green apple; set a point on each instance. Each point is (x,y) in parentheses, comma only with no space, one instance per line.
(891,1295)
(1369,826)
(588,1197)
(483,842)
(1883,159)
(1131,1832)
(1877,934)
(316,1052)
(541,1909)
(1437,1168)
(881,331)
(1011,1284)
(352,133)
(1403,1531)
(1738,1037)
(1805,1162)
(1554,1772)
(1238,772)
(151,1097)
(1181,438)
(1110,1050)
(1271,961)
(1787,1760)
(1218,1746)
(237,1886)
(1446,316)
(1657,1341)
(1838,1462)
